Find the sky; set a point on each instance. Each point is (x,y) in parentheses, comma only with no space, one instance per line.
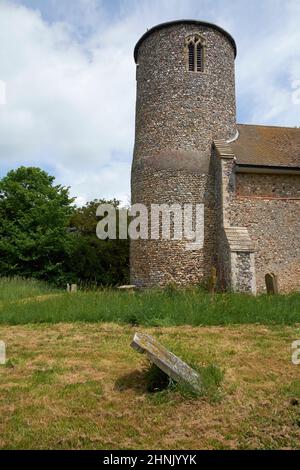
(69,77)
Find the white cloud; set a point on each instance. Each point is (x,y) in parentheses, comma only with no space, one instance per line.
(66,108)
(267,67)
(70,79)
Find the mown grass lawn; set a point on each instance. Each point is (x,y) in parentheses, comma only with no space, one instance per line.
(72,381)
(80,386)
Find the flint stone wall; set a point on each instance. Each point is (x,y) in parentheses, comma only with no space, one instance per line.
(178,114)
(234,248)
(269,208)
(162,262)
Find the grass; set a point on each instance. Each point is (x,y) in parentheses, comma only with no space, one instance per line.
(81,386)
(211,378)
(23,302)
(71,380)
(14,289)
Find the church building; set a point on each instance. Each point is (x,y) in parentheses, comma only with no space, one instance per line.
(189,149)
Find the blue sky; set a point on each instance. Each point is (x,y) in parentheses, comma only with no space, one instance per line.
(70,79)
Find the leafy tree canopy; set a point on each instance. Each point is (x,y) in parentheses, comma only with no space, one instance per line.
(43,235)
(97,261)
(84,218)
(34,214)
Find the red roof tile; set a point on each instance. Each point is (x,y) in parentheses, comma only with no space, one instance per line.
(266,145)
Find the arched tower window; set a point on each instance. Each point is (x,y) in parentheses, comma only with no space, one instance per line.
(195,53)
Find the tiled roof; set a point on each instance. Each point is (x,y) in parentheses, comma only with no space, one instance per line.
(265,145)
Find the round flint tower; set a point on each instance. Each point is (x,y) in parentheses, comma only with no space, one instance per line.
(185,100)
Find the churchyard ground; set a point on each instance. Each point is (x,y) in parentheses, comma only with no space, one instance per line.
(73,382)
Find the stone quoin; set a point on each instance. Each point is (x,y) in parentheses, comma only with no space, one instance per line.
(189,149)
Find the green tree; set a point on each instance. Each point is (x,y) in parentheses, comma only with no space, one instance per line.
(34,215)
(96,261)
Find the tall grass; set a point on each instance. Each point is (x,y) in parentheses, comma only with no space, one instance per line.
(17,288)
(150,308)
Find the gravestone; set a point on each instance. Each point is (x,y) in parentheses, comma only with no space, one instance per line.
(166,360)
(2,353)
(271,284)
(129,288)
(275,283)
(213,280)
(72,288)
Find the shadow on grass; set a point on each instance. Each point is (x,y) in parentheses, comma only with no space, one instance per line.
(135,380)
(149,380)
(153,381)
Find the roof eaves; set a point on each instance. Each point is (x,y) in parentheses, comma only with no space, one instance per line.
(266,169)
